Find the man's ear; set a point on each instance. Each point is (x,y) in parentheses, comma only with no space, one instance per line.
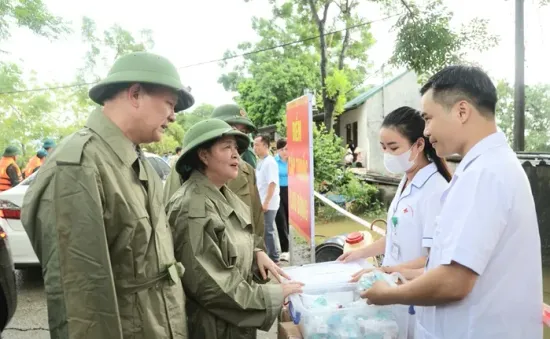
(464,111)
(133,94)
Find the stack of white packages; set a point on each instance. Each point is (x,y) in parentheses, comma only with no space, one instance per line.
(331,308)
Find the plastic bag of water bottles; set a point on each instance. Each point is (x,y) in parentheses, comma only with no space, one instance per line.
(343,314)
(368,279)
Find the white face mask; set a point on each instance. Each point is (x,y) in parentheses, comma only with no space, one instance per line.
(398,164)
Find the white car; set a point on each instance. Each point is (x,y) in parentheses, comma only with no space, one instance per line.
(10,214)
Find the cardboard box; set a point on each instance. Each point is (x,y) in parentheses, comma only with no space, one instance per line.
(284,316)
(287,330)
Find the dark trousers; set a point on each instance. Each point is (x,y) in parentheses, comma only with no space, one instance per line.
(282,219)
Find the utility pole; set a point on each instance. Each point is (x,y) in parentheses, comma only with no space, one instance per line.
(519,86)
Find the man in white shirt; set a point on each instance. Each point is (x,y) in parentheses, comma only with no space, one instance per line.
(483,276)
(267,176)
(174,158)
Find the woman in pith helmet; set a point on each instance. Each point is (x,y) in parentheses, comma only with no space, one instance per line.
(214,240)
(244,185)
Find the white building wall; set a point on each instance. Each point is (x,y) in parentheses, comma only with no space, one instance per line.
(402,92)
(356,115)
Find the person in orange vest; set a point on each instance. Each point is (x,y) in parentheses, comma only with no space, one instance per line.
(35,162)
(10,174)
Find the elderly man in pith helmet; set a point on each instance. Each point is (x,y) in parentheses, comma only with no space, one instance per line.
(95,216)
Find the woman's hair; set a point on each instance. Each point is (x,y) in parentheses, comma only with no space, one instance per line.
(281,143)
(193,161)
(409,123)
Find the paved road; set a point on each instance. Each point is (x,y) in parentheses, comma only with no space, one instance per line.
(31,318)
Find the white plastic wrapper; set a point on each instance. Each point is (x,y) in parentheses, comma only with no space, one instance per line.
(347,316)
(330,300)
(367,280)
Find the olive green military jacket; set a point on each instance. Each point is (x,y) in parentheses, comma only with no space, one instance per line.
(214,240)
(7,283)
(249,156)
(100,232)
(244,185)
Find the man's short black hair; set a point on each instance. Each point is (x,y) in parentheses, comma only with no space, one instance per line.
(281,143)
(455,83)
(266,140)
(178,149)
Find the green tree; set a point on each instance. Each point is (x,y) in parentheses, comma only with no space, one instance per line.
(426,42)
(32,14)
(537,115)
(28,116)
(103,49)
(188,119)
(333,42)
(328,158)
(272,84)
(171,139)
(335,78)
(203,110)
(329,66)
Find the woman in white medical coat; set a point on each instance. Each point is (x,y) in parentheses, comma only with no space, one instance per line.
(412,213)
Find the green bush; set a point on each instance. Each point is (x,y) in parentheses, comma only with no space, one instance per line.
(325,214)
(328,156)
(331,176)
(362,197)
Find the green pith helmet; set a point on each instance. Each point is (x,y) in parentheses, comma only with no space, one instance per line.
(41,153)
(11,151)
(233,114)
(202,132)
(48,143)
(143,67)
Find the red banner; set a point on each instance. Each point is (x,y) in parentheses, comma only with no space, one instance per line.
(299,117)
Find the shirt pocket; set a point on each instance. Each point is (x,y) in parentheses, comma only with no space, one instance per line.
(129,236)
(224,242)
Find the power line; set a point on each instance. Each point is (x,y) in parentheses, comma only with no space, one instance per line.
(48,88)
(2,92)
(290,43)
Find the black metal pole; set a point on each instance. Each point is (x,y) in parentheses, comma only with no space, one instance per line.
(519,86)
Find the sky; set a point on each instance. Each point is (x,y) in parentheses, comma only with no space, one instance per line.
(189,32)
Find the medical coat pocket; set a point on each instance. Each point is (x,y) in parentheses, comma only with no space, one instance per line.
(421,333)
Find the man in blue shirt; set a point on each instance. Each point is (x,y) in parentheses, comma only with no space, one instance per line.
(282,214)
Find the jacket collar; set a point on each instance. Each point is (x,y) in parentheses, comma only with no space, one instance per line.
(223,198)
(483,146)
(420,178)
(423,175)
(113,136)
